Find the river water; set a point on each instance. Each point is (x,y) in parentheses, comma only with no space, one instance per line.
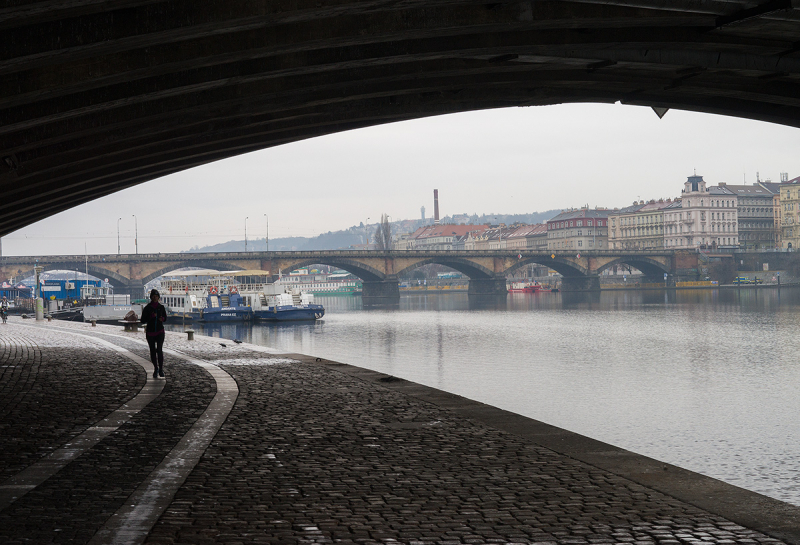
(706,380)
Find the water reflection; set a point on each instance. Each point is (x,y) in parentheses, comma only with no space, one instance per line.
(705,379)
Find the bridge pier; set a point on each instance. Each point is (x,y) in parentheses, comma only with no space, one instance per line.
(386,292)
(581,283)
(487,286)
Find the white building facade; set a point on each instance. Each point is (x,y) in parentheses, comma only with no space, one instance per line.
(704,217)
(638,227)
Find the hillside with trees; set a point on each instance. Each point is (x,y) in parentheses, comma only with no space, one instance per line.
(357,234)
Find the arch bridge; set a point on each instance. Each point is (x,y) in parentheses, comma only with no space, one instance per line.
(96,97)
(379,271)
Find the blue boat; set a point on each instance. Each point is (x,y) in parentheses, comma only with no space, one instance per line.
(273,302)
(289,313)
(224,308)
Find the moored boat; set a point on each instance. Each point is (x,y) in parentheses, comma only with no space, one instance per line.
(331,284)
(203,296)
(527,287)
(273,301)
(97,304)
(235,296)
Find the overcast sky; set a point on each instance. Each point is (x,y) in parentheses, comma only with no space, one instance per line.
(506,161)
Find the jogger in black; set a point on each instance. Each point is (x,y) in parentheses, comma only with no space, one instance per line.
(153,316)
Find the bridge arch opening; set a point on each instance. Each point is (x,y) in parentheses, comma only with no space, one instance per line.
(465,266)
(353,266)
(560,264)
(649,267)
(210,265)
(115,280)
(72,134)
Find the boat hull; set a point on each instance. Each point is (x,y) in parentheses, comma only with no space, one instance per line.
(226,314)
(109,314)
(290,313)
(529,288)
(70,315)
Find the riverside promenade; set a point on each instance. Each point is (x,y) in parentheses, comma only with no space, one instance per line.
(240,444)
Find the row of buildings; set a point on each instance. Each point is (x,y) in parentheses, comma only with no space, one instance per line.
(761,216)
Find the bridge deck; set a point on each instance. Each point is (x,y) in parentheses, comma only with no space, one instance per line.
(96,96)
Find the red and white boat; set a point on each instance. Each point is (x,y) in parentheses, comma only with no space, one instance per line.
(526,287)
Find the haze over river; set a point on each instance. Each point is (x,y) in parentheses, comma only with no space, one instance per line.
(706,380)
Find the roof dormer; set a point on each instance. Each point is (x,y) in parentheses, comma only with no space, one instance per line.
(694,183)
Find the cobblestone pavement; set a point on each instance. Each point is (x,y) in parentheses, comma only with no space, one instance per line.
(313,455)
(72,505)
(310,455)
(52,388)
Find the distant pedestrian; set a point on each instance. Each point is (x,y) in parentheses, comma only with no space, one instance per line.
(153,316)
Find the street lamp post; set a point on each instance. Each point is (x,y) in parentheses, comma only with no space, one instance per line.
(136,233)
(267,238)
(366,230)
(118,220)
(245,234)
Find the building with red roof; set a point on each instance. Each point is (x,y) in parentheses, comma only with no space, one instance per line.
(437,237)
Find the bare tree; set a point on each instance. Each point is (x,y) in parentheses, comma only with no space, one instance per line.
(383,235)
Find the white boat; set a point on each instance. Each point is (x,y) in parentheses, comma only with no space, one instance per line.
(203,296)
(206,295)
(99,305)
(274,301)
(342,283)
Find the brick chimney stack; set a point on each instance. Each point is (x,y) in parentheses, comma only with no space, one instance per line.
(436,207)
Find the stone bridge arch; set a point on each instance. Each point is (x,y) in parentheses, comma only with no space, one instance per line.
(211,264)
(363,271)
(212,85)
(465,266)
(115,279)
(651,268)
(562,265)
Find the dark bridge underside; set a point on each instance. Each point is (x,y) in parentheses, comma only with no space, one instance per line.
(99,96)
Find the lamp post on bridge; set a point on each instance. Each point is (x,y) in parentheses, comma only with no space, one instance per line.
(245,234)
(267,238)
(118,220)
(136,233)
